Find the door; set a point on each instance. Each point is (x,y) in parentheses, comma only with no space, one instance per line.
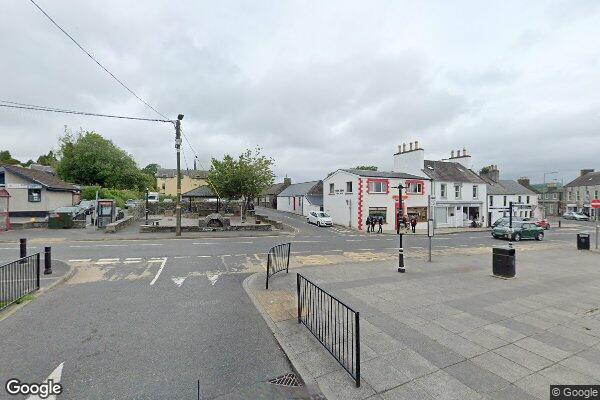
(528,232)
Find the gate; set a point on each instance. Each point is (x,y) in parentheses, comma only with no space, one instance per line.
(278,259)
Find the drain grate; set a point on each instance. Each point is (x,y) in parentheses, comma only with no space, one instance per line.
(288,380)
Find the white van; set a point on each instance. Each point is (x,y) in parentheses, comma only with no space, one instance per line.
(152,197)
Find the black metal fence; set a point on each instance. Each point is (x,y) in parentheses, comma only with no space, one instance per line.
(332,322)
(278,259)
(19,278)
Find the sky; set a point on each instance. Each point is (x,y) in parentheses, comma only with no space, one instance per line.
(316,85)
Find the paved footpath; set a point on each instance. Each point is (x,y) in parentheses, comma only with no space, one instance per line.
(448,329)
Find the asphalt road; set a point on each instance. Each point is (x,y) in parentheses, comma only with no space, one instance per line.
(150,318)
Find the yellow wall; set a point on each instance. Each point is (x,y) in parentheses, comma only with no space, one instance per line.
(170,185)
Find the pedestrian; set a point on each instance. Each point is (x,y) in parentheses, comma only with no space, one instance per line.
(413,224)
(368,224)
(380,221)
(373,222)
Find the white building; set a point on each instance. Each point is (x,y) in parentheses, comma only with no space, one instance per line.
(351,195)
(460,194)
(501,192)
(301,198)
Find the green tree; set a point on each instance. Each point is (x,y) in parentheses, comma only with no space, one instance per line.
(150,170)
(49,159)
(366,167)
(6,158)
(242,178)
(87,158)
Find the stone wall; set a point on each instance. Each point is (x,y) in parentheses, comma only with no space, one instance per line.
(234,228)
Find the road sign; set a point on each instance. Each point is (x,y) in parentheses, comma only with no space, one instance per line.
(595,203)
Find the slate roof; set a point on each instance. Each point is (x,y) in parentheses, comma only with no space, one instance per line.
(507,187)
(274,189)
(202,191)
(382,174)
(172,173)
(315,199)
(449,171)
(47,180)
(589,179)
(300,189)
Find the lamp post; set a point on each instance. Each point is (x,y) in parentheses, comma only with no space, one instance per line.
(147,211)
(399,231)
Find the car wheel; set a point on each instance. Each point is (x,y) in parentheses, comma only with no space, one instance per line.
(517,237)
(539,236)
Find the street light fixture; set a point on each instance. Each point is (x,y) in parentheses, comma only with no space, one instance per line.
(398,231)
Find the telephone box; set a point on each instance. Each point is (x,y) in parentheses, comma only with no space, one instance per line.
(105,212)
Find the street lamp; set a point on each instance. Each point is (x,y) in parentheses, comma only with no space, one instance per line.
(398,231)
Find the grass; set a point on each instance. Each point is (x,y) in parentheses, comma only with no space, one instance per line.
(24,299)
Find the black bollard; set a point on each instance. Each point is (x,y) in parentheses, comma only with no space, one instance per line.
(22,248)
(559,223)
(47,260)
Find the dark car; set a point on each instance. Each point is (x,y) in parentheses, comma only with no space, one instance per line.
(520,230)
(504,221)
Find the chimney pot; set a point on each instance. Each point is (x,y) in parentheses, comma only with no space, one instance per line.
(416,144)
(464,151)
(411,145)
(451,153)
(457,153)
(403,147)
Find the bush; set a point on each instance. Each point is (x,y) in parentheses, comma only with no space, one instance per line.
(119,195)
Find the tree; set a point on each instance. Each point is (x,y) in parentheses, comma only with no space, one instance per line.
(48,159)
(151,169)
(366,167)
(87,158)
(6,158)
(245,177)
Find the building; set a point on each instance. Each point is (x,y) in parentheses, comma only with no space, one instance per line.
(301,198)
(352,195)
(166,180)
(34,193)
(550,198)
(459,194)
(579,193)
(268,198)
(501,192)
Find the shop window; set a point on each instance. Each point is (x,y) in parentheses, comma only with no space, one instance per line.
(378,212)
(420,213)
(34,195)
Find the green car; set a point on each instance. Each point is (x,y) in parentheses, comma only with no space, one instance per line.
(520,230)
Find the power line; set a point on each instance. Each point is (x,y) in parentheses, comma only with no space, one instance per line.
(22,106)
(96,61)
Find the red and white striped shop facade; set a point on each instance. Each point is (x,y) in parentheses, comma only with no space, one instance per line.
(351,195)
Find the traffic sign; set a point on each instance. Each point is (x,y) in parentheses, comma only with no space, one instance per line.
(595,203)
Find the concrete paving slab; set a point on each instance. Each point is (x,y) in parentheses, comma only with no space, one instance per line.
(477,378)
(523,357)
(542,349)
(503,367)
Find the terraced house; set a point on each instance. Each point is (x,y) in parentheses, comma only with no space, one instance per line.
(581,191)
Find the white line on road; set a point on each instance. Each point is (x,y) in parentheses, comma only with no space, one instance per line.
(80,260)
(179,281)
(151,244)
(107,261)
(306,241)
(162,265)
(204,256)
(213,279)
(55,377)
(182,257)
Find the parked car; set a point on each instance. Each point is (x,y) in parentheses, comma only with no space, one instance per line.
(568,215)
(319,218)
(520,230)
(580,217)
(504,221)
(87,206)
(131,203)
(167,200)
(542,223)
(153,197)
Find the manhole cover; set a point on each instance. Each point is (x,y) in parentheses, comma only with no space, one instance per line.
(289,380)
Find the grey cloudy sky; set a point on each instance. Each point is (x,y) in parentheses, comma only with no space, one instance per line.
(318,85)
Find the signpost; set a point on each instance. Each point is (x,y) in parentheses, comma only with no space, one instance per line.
(430,224)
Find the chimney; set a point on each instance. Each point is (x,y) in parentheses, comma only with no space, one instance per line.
(399,149)
(523,181)
(287,181)
(403,147)
(410,145)
(585,171)
(464,152)
(457,153)
(416,144)
(492,174)
(452,154)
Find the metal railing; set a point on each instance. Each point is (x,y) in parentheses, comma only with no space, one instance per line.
(332,322)
(19,278)
(278,259)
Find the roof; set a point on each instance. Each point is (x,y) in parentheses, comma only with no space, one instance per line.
(274,189)
(172,173)
(202,191)
(589,179)
(547,187)
(47,180)
(449,171)
(315,199)
(505,186)
(299,189)
(45,168)
(382,174)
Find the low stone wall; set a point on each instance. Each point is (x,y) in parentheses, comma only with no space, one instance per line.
(277,224)
(118,225)
(231,228)
(28,225)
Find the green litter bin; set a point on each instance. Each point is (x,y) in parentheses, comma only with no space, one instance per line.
(62,218)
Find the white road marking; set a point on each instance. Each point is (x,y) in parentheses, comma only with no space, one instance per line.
(179,281)
(204,256)
(112,245)
(55,377)
(162,265)
(133,259)
(107,261)
(84,246)
(9,248)
(151,244)
(80,260)
(306,241)
(213,279)
(181,257)
(354,240)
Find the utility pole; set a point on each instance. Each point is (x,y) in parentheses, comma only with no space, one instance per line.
(178,200)
(399,231)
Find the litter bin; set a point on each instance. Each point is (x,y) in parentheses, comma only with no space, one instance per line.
(503,261)
(62,218)
(583,241)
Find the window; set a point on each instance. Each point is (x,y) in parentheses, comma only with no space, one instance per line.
(491,201)
(457,192)
(34,195)
(597,194)
(378,212)
(377,187)
(554,195)
(2,181)
(443,190)
(474,191)
(504,200)
(415,188)
(519,199)
(349,187)
(527,199)
(420,213)
(331,188)
(577,195)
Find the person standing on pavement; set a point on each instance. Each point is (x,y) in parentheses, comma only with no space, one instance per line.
(368,222)
(380,221)
(413,224)
(373,222)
